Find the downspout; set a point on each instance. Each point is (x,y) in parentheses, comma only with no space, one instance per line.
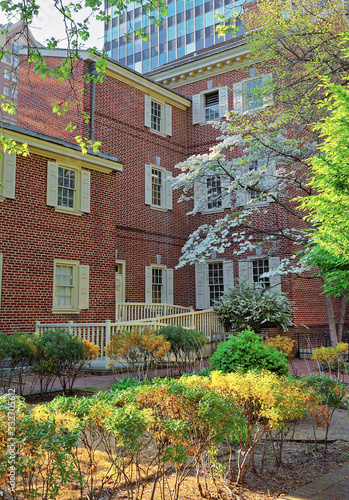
(92,72)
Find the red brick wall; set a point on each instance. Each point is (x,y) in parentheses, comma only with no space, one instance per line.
(34,234)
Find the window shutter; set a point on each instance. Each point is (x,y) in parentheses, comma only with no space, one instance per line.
(268,99)
(271,180)
(244,273)
(226,197)
(169,286)
(196,103)
(52,183)
(200,285)
(85,191)
(275,281)
(240,197)
(1,260)
(147,184)
(148,285)
(168,191)
(237,90)
(223,101)
(83,287)
(228,277)
(168,109)
(9,176)
(200,194)
(147,111)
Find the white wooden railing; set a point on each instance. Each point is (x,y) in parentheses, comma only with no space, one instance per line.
(131,311)
(101,333)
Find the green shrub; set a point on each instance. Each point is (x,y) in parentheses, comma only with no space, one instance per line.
(186,345)
(59,354)
(253,307)
(331,391)
(246,351)
(16,356)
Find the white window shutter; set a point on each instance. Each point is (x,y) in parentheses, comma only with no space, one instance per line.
(85,190)
(168,191)
(83,287)
(201,285)
(271,179)
(268,99)
(147,185)
(196,103)
(223,101)
(200,194)
(1,261)
(168,110)
(226,197)
(148,285)
(244,273)
(240,197)
(238,98)
(147,111)
(169,286)
(9,177)
(228,277)
(275,281)
(52,183)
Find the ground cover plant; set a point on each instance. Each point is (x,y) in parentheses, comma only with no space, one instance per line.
(148,440)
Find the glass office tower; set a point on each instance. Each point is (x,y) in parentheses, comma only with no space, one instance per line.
(189,27)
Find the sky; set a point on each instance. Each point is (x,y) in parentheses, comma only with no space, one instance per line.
(49,24)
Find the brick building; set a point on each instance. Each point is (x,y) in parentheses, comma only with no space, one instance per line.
(83,232)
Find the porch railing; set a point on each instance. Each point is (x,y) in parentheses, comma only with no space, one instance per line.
(101,333)
(136,311)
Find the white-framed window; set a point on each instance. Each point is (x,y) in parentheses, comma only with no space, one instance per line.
(71,286)
(252,269)
(7,175)
(157,116)
(266,183)
(1,264)
(212,280)
(15,61)
(8,74)
(68,189)
(158,284)
(14,94)
(253,94)
(211,193)
(210,104)
(7,90)
(158,188)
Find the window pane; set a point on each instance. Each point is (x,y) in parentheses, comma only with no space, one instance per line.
(157,286)
(156,181)
(66,187)
(214,192)
(215,281)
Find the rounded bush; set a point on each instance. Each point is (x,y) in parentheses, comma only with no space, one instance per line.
(245,352)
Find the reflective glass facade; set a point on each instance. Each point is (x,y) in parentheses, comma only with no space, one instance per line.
(189,27)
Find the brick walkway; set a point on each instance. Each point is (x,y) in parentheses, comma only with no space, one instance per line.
(332,486)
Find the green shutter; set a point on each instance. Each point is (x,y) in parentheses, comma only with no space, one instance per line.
(228,276)
(223,101)
(147,185)
(201,285)
(168,190)
(9,176)
(83,287)
(168,110)
(196,105)
(85,191)
(148,285)
(52,183)
(238,98)
(169,286)
(244,273)
(275,281)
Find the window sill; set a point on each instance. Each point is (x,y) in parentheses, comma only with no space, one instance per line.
(213,211)
(161,134)
(160,209)
(67,211)
(66,311)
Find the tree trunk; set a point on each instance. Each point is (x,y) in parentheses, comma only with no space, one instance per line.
(331,321)
(341,318)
